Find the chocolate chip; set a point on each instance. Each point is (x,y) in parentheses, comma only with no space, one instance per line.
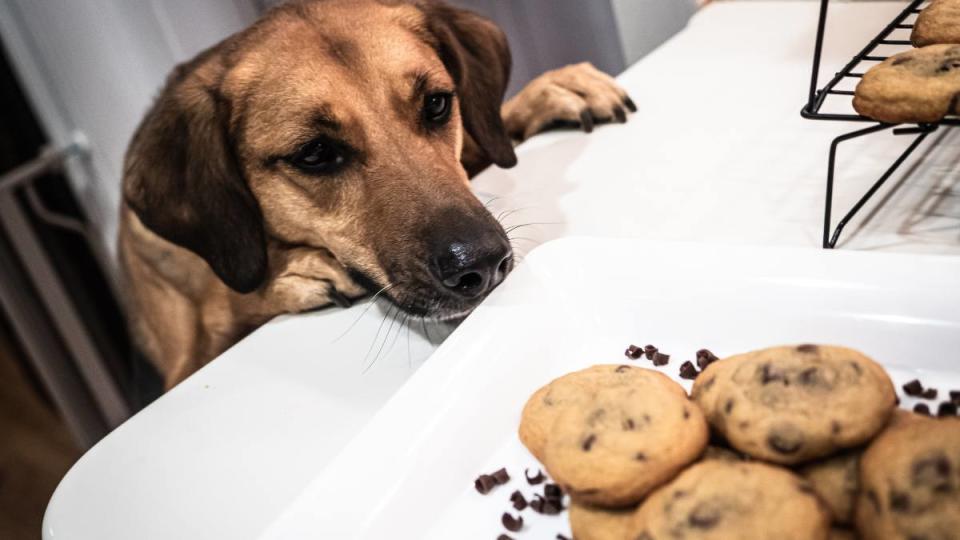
(921,408)
(808,377)
(835,427)
(728,406)
(933,472)
(640,456)
(510,523)
(561,537)
(913,388)
(548,507)
(649,350)
(588,442)
(929,393)
(504,537)
(807,348)
(856,367)
(633,352)
(622,368)
(955,396)
(785,440)
(660,359)
(628,424)
(686,413)
(705,358)
(552,491)
(947,408)
(899,501)
(536,479)
(769,374)
(519,502)
(484,483)
(874,499)
(704,516)
(501,477)
(688,371)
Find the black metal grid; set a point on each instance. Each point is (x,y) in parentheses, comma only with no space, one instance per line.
(855,69)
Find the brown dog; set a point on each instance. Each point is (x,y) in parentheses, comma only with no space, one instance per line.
(323,154)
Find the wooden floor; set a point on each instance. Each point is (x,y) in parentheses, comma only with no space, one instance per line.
(35,451)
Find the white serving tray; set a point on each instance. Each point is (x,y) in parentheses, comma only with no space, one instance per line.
(580,301)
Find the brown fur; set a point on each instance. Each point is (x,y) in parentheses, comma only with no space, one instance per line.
(220,232)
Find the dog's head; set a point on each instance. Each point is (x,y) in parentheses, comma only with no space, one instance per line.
(337,125)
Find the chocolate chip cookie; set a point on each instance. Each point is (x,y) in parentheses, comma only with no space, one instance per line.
(595,523)
(570,390)
(791,404)
(720,500)
(836,480)
(922,85)
(938,23)
(615,448)
(910,482)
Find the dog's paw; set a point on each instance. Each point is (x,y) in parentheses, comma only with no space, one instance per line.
(305,279)
(579,95)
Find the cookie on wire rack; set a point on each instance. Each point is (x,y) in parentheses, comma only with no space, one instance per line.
(917,86)
(939,23)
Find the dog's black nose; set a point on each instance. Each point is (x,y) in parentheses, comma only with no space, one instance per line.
(471,269)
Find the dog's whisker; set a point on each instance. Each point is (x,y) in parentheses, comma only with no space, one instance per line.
(373,343)
(373,300)
(507,213)
(492,200)
(386,337)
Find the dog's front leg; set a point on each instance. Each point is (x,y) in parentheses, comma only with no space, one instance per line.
(305,279)
(578,95)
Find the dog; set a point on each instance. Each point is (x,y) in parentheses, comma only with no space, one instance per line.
(323,155)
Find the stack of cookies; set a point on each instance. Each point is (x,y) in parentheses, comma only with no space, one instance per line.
(800,442)
(921,85)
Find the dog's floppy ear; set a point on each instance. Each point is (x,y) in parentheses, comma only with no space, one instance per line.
(477,55)
(183,181)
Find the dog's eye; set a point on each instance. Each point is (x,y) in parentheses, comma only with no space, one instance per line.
(319,156)
(436,108)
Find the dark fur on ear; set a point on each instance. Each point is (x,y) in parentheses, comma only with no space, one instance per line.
(182,179)
(477,56)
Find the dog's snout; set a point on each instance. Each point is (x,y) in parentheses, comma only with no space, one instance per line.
(471,269)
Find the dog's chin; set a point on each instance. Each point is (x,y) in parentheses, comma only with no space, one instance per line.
(433,305)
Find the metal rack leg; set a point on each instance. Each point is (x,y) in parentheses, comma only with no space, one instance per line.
(829,242)
(831,166)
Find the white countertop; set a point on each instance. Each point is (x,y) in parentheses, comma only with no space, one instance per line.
(717,152)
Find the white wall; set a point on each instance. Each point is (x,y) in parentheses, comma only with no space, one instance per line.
(644,24)
(95,65)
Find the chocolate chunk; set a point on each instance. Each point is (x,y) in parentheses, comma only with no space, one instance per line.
(484,483)
(913,388)
(705,358)
(955,396)
(929,393)
(536,479)
(501,477)
(633,352)
(628,424)
(504,537)
(552,492)
(519,502)
(649,350)
(947,408)
(688,371)
(622,368)
(660,359)
(588,442)
(561,537)
(921,408)
(550,507)
(640,456)
(807,348)
(785,441)
(899,501)
(510,523)
(704,516)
